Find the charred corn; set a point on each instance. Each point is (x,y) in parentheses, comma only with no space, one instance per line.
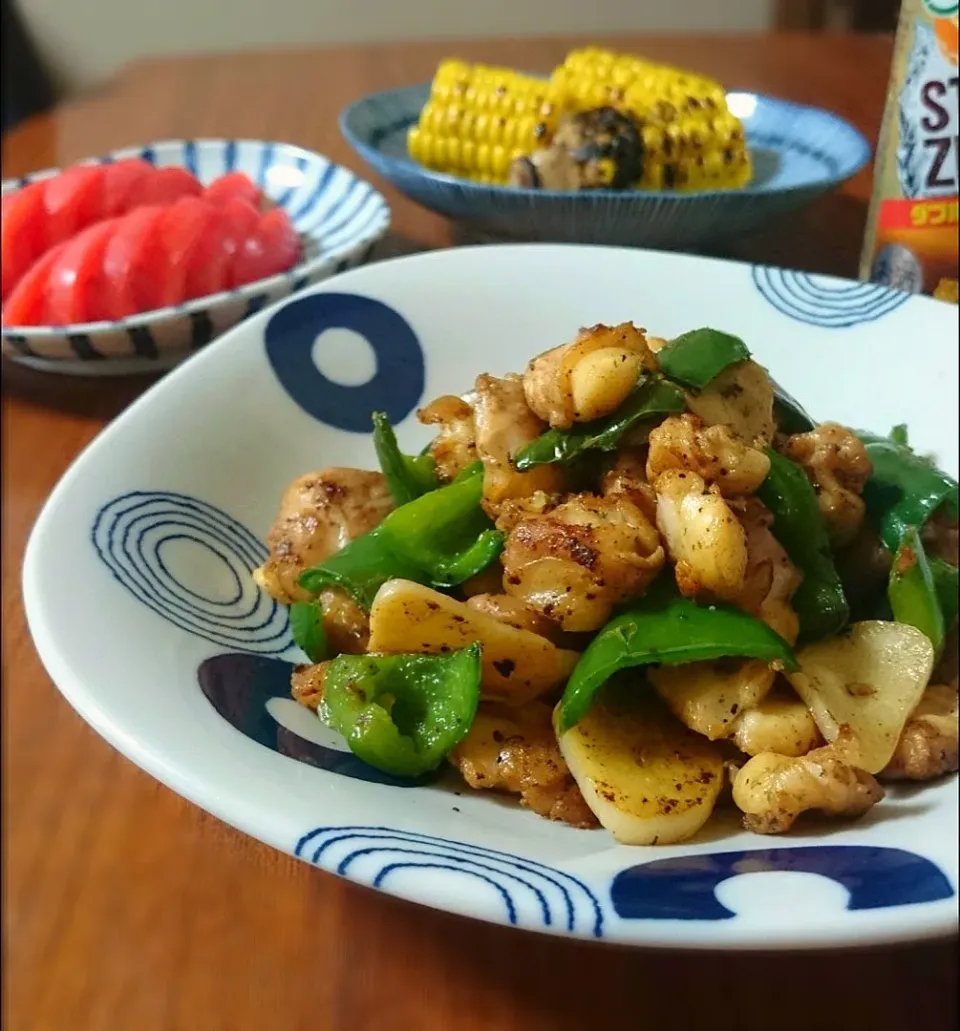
(478,119)
(591,78)
(675,131)
(690,139)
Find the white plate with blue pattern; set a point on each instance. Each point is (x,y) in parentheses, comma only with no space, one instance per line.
(798,154)
(337,215)
(177,660)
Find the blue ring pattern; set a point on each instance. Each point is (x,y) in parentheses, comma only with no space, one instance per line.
(803,298)
(684,887)
(129,535)
(240,687)
(396,386)
(534,895)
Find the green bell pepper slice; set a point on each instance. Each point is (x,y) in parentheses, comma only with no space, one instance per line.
(666,628)
(402,713)
(440,539)
(408,476)
(361,569)
(446,534)
(946,580)
(905,489)
(913,592)
(819,601)
(652,396)
(790,416)
(697,357)
(900,435)
(306,626)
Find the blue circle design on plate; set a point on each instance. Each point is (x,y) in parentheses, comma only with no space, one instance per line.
(132,535)
(531,893)
(684,887)
(240,686)
(396,386)
(820,301)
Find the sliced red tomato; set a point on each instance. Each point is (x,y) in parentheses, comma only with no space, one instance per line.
(134,264)
(183,229)
(241,219)
(165,186)
(234,184)
(76,287)
(27,305)
(122,181)
(22,234)
(74,200)
(208,265)
(273,247)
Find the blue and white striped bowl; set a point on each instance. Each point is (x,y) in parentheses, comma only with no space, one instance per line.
(337,215)
(798,153)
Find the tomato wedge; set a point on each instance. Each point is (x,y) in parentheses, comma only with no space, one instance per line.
(74,200)
(121,181)
(208,266)
(76,287)
(240,219)
(27,305)
(165,186)
(183,229)
(233,184)
(273,247)
(22,234)
(134,264)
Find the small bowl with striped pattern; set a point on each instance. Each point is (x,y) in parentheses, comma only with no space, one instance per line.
(338,217)
(798,154)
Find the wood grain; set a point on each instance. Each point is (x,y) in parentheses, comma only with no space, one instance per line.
(127,909)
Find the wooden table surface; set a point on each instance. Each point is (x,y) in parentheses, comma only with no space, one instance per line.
(126,908)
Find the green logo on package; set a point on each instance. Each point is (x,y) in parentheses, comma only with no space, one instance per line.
(941,8)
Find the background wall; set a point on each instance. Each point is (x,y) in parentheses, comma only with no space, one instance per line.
(83,41)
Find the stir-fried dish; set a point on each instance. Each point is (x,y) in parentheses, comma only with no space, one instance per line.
(633,584)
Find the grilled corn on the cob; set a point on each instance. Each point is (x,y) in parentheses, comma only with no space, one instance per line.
(599,78)
(479,119)
(675,131)
(690,139)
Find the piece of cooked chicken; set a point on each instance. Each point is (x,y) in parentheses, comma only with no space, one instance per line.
(773,790)
(306,684)
(864,568)
(780,723)
(515,750)
(928,745)
(682,442)
(345,623)
(588,377)
(514,613)
(628,476)
(771,579)
(574,561)
(455,445)
(838,465)
(710,697)
(320,513)
(946,670)
(940,536)
(703,536)
(503,424)
(488,581)
(741,397)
